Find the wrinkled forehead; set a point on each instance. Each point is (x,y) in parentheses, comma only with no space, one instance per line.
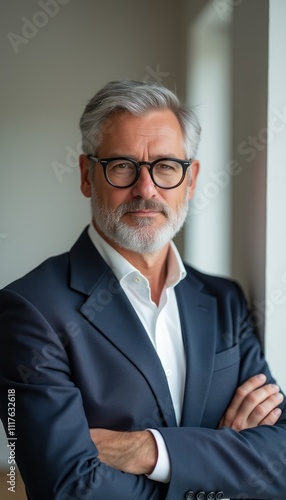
(152,127)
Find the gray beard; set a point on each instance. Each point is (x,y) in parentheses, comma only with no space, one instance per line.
(143,238)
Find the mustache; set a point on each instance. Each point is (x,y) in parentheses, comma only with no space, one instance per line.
(139,204)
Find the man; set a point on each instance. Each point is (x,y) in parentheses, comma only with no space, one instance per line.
(136,377)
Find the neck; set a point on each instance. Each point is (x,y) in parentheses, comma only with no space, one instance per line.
(152,265)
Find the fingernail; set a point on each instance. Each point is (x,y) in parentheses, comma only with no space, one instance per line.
(277,412)
(261,376)
(279,396)
(275,387)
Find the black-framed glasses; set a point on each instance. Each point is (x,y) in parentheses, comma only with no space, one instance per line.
(121,172)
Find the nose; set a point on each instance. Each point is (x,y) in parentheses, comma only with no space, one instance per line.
(144,186)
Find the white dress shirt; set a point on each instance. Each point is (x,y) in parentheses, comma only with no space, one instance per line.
(162,324)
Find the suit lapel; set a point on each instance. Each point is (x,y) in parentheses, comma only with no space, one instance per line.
(198,320)
(108,309)
(111,313)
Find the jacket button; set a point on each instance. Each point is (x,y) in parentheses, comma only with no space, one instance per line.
(211,495)
(219,495)
(190,495)
(200,495)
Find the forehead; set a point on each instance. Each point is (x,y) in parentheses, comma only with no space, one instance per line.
(151,127)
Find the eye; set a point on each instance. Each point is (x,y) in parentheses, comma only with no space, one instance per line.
(123,166)
(164,166)
(167,167)
(118,166)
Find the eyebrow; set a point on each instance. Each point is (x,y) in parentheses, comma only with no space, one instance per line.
(135,158)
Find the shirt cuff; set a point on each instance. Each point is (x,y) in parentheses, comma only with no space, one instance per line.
(162,470)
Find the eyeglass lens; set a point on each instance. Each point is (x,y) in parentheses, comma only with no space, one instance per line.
(166,173)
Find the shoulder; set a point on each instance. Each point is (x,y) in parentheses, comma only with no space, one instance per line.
(52,274)
(46,276)
(60,278)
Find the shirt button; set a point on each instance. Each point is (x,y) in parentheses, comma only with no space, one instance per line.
(169,373)
(137,279)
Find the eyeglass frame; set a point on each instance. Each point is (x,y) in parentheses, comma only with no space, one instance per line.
(138,164)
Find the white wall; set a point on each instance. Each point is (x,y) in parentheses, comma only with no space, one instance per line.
(44,88)
(207,231)
(250,80)
(48,74)
(275,303)
(254,203)
(259,203)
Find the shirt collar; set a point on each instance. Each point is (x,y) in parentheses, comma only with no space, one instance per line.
(122,267)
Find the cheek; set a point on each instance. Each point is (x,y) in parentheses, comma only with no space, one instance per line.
(183,197)
(174,198)
(111,198)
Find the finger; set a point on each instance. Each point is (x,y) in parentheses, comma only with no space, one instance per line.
(264,413)
(246,388)
(253,402)
(241,392)
(238,417)
(256,407)
(272,417)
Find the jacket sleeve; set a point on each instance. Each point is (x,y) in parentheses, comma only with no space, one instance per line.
(54,452)
(248,464)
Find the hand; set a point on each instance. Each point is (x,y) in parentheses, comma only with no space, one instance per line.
(133,452)
(253,404)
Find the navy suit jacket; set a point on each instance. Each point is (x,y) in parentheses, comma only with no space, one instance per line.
(78,357)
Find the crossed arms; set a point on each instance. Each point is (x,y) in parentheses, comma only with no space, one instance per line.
(254,404)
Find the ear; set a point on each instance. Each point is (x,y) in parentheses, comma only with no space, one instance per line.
(85,184)
(195,166)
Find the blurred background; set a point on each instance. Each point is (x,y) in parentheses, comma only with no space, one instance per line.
(226,58)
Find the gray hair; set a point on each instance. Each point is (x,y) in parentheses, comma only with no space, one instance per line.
(135,98)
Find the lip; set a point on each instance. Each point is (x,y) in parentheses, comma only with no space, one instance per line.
(144,213)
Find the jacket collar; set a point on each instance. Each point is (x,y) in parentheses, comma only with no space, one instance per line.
(108,309)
